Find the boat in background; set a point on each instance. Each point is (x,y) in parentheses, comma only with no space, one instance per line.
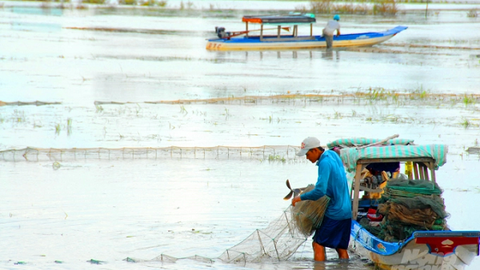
(258,40)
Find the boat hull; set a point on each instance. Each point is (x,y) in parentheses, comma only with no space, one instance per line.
(432,250)
(306,42)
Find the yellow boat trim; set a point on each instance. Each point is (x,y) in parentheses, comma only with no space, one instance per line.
(225,46)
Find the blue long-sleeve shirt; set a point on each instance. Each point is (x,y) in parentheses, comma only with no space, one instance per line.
(332,182)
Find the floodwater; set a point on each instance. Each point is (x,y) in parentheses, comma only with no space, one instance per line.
(141,78)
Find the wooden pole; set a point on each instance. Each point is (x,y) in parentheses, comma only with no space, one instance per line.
(426,10)
(432,171)
(380,142)
(425,172)
(415,170)
(356,191)
(261,31)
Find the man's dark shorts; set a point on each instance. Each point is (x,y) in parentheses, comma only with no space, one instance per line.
(333,233)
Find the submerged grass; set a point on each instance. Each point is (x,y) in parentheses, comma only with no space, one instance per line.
(58,128)
(472,13)
(69,126)
(272,158)
(372,96)
(151,3)
(468,100)
(465,123)
(375,7)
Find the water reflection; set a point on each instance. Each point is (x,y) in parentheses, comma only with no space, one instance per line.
(282,54)
(45,10)
(339,265)
(331,54)
(328,54)
(33,26)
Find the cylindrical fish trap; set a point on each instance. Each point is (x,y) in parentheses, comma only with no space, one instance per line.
(308,215)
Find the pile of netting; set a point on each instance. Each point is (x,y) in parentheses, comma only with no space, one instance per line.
(409,206)
(308,215)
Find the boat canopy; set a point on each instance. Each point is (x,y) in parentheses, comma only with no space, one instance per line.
(350,156)
(355,142)
(287,19)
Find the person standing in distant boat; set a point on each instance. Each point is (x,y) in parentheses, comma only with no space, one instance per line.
(329,30)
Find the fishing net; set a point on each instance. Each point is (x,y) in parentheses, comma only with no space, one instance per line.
(409,206)
(267,152)
(278,242)
(308,215)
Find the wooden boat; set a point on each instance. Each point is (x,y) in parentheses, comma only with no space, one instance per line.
(259,40)
(424,249)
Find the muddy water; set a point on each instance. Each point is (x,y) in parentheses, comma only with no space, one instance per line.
(107,68)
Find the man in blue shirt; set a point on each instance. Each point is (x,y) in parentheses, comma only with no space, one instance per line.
(332,181)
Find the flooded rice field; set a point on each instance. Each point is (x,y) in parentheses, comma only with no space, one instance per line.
(125,144)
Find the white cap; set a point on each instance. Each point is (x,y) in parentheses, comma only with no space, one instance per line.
(307,144)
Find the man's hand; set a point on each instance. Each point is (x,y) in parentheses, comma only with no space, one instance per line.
(295,200)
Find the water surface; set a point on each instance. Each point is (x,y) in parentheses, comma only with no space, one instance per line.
(110,77)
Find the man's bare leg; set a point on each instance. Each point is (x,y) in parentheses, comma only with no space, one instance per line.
(318,252)
(342,253)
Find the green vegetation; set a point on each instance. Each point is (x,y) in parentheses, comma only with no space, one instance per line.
(370,96)
(18,116)
(468,100)
(98,108)
(69,126)
(465,123)
(150,3)
(379,7)
(189,5)
(378,94)
(227,112)
(56,165)
(419,93)
(183,110)
(58,128)
(276,158)
(472,13)
(101,2)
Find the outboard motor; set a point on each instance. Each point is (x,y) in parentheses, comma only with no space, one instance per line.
(220,31)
